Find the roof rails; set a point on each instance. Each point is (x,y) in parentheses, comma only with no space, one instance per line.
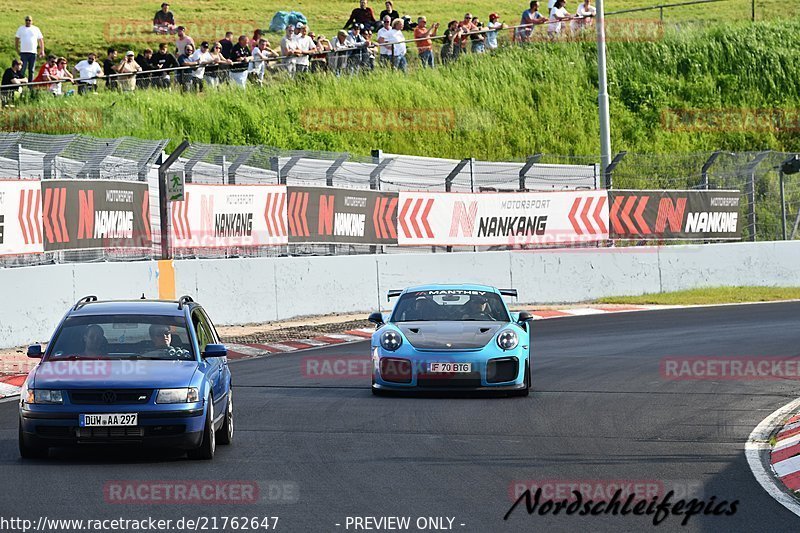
(508,292)
(183,300)
(393,293)
(83,301)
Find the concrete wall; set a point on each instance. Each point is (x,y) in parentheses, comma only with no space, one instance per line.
(254,290)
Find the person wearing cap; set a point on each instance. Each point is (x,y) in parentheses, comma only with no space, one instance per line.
(422,36)
(201,57)
(493,25)
(164,20)
(289,50)
(305,48)
(129,67)
(88,71)
(182,41)
(28,41)
(362,15)
(341,53)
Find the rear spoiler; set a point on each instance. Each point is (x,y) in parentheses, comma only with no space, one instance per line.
(393,293)
(508,292)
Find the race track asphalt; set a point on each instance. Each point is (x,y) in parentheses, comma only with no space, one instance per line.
(600,411)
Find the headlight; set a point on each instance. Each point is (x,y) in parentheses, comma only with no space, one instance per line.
(44,396)
(391,340)
(507,340)
(185,395)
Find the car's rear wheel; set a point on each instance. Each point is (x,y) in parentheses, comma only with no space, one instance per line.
(209,444)
(30,451)
(225,433)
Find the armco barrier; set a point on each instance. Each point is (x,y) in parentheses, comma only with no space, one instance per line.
(239,291)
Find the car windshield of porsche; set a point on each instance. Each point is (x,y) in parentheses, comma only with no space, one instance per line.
(450,305)
(122,337)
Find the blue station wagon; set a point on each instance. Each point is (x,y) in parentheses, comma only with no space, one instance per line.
(146,372)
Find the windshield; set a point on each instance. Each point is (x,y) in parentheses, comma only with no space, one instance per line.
(122,337)
(450,305)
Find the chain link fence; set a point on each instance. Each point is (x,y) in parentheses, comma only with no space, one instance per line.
(34,156)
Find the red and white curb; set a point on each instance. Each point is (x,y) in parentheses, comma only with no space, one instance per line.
(542,314)
(248,351)
(777,468)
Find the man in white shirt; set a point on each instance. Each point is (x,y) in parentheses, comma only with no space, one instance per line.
(201,57)
(400,62)
(305,47)
(29,40)
(289,50)
(88,70)
(384,35)
(586,11)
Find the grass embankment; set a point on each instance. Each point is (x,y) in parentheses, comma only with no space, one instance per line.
(716,295)
(538,99)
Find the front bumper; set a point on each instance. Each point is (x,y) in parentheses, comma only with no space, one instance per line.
(483,375)
(168,428)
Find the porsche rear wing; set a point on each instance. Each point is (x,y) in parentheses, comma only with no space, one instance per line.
(393,293)
(508,292)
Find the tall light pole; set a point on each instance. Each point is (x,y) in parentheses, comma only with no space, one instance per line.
(602,93)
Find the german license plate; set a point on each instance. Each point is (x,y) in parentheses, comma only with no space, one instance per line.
(109,419)
(450,367)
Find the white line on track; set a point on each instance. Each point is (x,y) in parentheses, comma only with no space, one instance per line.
(757,443)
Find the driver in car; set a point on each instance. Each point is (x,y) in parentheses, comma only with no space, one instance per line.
(161,337)
(476,310)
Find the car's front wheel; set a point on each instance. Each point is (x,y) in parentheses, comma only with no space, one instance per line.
(225,433)
(209,444)
(27,450)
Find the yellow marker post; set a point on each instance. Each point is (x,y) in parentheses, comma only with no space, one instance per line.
(166,279)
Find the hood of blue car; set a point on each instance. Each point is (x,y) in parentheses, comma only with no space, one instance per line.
(93,374)
(449,335)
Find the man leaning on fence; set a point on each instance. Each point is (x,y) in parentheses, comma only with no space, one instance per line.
(88,71)
(29,40)
(12,76)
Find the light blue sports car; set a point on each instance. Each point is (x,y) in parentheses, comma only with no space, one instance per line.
(451,337)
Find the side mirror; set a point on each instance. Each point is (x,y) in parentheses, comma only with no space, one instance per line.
(376,318)
(35,351)
(215,350)
(524,316)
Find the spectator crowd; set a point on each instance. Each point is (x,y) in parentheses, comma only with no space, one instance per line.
(242,60)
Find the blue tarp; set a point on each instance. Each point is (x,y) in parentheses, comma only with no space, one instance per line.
(283,19)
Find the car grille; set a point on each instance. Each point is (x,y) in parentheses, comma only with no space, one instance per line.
(466,380)
(110,396)
(110,432)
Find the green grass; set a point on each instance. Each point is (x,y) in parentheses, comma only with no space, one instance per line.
(538,99)
(716,295)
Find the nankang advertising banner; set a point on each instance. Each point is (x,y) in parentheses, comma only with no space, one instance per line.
(347,216)
(675,214)
(20,217)
(223,216)
(502,219)
(92,214)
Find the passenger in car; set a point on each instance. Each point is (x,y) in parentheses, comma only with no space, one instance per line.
(94,340)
